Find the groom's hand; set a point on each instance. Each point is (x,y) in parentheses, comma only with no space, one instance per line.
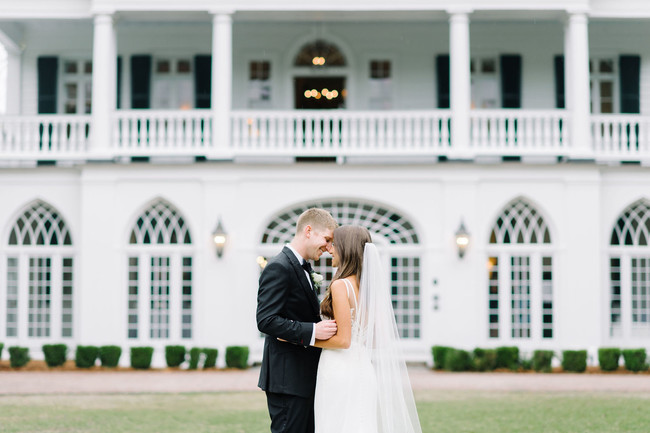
(325,329)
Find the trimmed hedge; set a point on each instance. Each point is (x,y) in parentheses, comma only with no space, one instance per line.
(109,356)
(18,356)
(608,358)
(484,359)
(195,357)
(508,357)
(458,360)
(174,355)
(86,356)
(210,358)
(635,359)
(141,357)
(55,354)
(237,357)
(542,360)
(574,360)
(439,354)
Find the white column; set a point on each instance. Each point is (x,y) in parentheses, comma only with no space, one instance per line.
(221,98)
(567,66)
(459,76)
(577,89)
(13,82)
(104,76)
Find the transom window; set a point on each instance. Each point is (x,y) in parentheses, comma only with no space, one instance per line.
(160,275)
(40,275)
(320,53)
(520,274)
(392,233)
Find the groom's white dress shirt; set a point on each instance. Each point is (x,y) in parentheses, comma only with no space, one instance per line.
(301,260)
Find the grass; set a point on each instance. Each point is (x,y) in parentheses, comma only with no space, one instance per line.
(245,412)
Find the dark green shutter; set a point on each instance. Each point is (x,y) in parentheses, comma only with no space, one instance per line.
(141,81)
(559,82)
(119,82)
(48,68)
(202,81)
(630,78)
(511,81)
(442,75)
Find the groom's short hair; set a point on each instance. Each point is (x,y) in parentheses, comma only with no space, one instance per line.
(317,218)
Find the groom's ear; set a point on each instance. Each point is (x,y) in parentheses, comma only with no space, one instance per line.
(307,231)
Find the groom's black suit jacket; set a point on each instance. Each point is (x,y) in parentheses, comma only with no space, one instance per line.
(287,308)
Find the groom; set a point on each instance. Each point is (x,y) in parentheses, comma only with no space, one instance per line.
(289,314)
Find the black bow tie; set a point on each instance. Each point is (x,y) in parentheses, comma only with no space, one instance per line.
(307,266)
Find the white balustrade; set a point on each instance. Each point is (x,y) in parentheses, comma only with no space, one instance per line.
(620,137)
(42,137)
(519,132)
(150,133)
(340,133)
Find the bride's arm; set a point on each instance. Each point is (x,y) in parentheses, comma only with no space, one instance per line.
(341,307)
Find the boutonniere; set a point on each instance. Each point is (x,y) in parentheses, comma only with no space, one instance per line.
(317,280)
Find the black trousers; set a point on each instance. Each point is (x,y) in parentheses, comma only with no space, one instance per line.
(290,413)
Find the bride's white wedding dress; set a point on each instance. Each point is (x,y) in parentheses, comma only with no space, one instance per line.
(365,388)
(346,385)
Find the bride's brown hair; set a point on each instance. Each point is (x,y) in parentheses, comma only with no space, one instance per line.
(349,242)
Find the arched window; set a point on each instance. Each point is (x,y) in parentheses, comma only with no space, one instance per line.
(392,233)
(320,53)
(520,274)
(629,272)
(160,275)
(40,268)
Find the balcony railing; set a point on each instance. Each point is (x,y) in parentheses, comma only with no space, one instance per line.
(334,133)
(44,137)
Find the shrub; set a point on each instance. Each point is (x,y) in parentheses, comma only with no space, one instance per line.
(195,358)
(439,354)
(526,363)
(1,346)
(55,354)
(109,356)
(508,357)
(174,355)
(237,356)
(86,356)
(542,360)
(18,356)
(574,360)
(141,357)
(608,358)
(485,359)
(635,359)
(210,358)
(457,360)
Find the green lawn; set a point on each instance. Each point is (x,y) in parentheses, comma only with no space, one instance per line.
(245,412)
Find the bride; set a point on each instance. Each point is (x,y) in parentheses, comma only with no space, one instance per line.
(362,384)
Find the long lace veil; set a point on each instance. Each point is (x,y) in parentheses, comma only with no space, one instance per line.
(396,406)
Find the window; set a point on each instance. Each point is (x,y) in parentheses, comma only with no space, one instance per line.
(77,87)
(395,236)
(259,84)
(381,88)
(603,85)
(173,84)
(159,275)
(520,269)
(40,276)
(320,54)
(485,82)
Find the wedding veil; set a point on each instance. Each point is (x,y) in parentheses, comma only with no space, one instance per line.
(396,406)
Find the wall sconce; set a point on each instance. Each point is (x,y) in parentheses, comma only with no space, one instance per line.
(462,239)
(219,236)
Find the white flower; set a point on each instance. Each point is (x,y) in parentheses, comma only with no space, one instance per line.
(316,279)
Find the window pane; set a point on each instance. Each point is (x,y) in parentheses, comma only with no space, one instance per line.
(88,67)
(606,66)
(184,67)
(70,67)
(163,67)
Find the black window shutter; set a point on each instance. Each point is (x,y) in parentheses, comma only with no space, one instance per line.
(48,68)
(630,78)
(442,74)
(511,81)
(202,80)
(559,82)
(141,81)
(119,82)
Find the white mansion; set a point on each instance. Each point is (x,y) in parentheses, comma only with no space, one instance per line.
(135,127)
